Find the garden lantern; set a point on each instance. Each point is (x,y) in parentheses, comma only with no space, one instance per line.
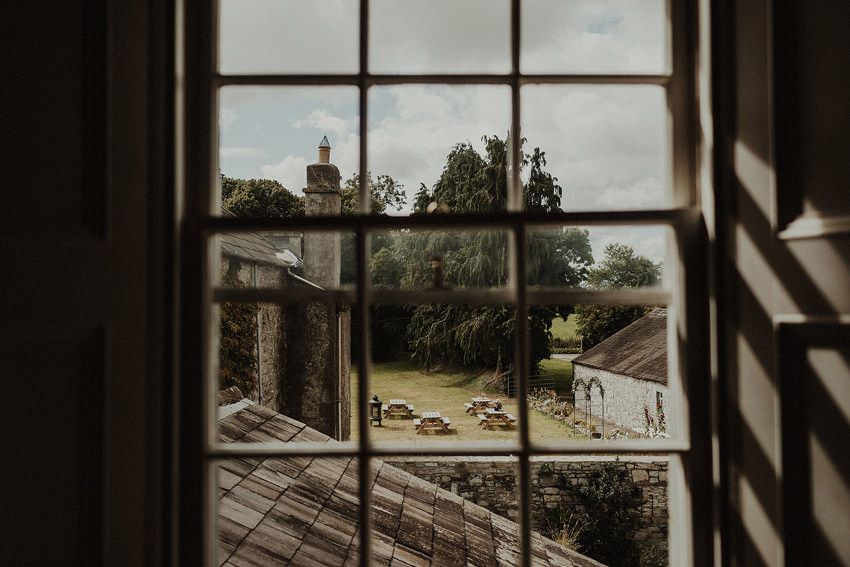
(375,409)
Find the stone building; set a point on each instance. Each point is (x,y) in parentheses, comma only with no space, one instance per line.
(631,368)
(304,350)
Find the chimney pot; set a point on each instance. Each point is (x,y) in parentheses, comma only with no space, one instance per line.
(324,150)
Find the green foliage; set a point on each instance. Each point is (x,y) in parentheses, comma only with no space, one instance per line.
(620,268)
(483,336)
(598,322)
(654,553)
(387,268)
(385,193)
(259,198)
(566,350)
(237,341)
(610,504)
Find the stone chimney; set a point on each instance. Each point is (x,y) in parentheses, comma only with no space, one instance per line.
(322,198)
(316,388)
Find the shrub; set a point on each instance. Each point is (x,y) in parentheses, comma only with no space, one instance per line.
(564,527)
(611,503)
(566,350)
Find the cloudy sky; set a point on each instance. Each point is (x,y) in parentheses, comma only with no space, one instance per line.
(607,145)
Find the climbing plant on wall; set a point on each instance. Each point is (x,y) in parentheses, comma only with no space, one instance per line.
(237,341)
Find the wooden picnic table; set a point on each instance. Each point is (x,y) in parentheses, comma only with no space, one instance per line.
(431,420)
(478,404)
(496,417)
(397,405)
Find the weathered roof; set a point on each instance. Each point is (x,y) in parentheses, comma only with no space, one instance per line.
(251,247)
(305,511)
(639,350)
(324,143)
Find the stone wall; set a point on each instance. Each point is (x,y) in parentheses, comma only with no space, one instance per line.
(625,398)
(271,322)
(491,482)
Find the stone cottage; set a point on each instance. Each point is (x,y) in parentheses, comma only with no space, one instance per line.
(303,350)
(626,375)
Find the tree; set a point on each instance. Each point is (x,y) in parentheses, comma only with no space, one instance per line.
(385,193)
(483,336)
(620,268)
(260,198)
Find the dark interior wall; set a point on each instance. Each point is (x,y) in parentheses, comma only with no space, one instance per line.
(785,237)
(82,320)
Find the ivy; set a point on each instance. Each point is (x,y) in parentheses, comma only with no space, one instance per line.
(237,340)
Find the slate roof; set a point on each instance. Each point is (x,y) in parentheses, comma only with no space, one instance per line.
(305,511)
(250,246)
(639,350)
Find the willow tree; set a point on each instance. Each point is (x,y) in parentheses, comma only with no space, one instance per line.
(482,336)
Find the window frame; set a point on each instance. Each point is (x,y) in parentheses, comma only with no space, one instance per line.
(196,452)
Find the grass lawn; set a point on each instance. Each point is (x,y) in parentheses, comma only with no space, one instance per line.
(563,373)
(445,393)
(563,329)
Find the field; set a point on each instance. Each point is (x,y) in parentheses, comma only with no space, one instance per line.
(446,393)
(562,329)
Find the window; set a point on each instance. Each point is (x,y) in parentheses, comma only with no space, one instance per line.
(364,55)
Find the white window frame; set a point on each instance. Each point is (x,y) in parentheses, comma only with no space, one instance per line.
(198,452)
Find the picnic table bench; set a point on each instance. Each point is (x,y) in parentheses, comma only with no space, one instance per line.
(431,420)
(478,404)
(496,417)
(397,405)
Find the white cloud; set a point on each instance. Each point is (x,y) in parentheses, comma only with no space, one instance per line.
(269,36)
(635,196)
(291,173)
(240,152)
(440,36)
(594,36)
(322,120)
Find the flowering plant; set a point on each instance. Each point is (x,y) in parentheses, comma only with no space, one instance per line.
(655,426)
(659,412)
(497,404)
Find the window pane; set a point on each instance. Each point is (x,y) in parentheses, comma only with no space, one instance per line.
(302,352)
(448,511)
(439,36)
(277,510)
(288,36)
(440,259)
(607,507)
(287,259)
(608,377)
(440,143)
(607,146)
(598,257)
(273,134)
(432,363)
(593,36)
